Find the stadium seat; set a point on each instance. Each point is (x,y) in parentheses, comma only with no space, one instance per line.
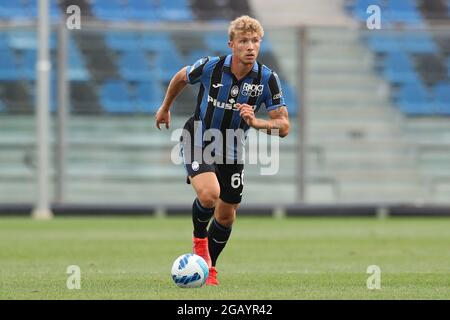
(13,10)
(145,10)
(120,41)
(134,66)
(175,10)
(217,42)
(28,65)
(8,66)
(110,10)
(383,42)
(54,9)
(115,97)
(413,99)
(398,68)
(157,42)
(418,43)
(167,65)
(441,93)
(77,67)
(148,96)
(27,40)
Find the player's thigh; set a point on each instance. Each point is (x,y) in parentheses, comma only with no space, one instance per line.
(207,188)
(225,212)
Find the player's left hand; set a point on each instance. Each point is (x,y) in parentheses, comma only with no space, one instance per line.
(247,113)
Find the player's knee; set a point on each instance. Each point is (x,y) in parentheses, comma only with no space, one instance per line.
(208,197)
(226,220)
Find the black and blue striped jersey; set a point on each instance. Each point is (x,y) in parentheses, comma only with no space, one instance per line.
(220,91)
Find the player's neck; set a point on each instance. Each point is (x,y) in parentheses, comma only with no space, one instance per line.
(240,69)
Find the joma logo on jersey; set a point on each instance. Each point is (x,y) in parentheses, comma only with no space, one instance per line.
(252,90)
(223,105)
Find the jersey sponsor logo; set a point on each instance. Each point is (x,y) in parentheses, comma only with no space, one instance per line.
(234,91)
(278,95)
(252,90)
(223,105)
(217,85)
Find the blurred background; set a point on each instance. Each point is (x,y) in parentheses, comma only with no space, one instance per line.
(369,108)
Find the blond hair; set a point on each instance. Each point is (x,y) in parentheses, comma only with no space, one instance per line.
(244,24)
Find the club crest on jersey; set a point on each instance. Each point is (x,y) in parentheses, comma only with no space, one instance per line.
(252,90)
(195,166)
(234,91)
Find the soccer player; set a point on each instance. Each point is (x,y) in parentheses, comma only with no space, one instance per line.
(232,89)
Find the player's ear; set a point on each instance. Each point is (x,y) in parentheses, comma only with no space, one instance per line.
(230,44)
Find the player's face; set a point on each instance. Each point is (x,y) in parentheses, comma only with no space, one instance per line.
(245,46)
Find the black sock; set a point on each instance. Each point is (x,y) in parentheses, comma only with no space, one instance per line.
(200,218)
(217,239)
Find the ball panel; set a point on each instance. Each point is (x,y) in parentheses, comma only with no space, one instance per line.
(189,271)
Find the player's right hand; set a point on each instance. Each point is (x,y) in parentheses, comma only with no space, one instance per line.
(162,116)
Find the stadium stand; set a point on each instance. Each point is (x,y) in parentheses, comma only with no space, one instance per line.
(380,135)
(413,61)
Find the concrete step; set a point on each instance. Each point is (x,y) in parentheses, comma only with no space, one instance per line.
(375,96)
(367,111)
(349,81)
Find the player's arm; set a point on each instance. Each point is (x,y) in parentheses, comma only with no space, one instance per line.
(278,122)
(176,85)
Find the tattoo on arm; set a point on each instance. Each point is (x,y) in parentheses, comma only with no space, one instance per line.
(278,118)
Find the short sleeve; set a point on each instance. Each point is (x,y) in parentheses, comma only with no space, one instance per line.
(195,71)
(274,96)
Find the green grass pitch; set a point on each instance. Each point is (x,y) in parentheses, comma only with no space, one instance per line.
(266,258)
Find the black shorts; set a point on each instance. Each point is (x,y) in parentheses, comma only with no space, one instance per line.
(229,175)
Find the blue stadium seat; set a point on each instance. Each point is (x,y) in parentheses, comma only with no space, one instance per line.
(110,10)
(120,41)
(28,65)
(2,106)
(77,67)
(441,93)
(148,96)
(157,42)
(167,65)
(418,43)
(27,40)
(54,9)
(116,98)
(13,10)
(134,66)
(414,99)
(175,10)
(402,11)
(8,66)
(383,42)
(144,10)
(217,42)
(398,69)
